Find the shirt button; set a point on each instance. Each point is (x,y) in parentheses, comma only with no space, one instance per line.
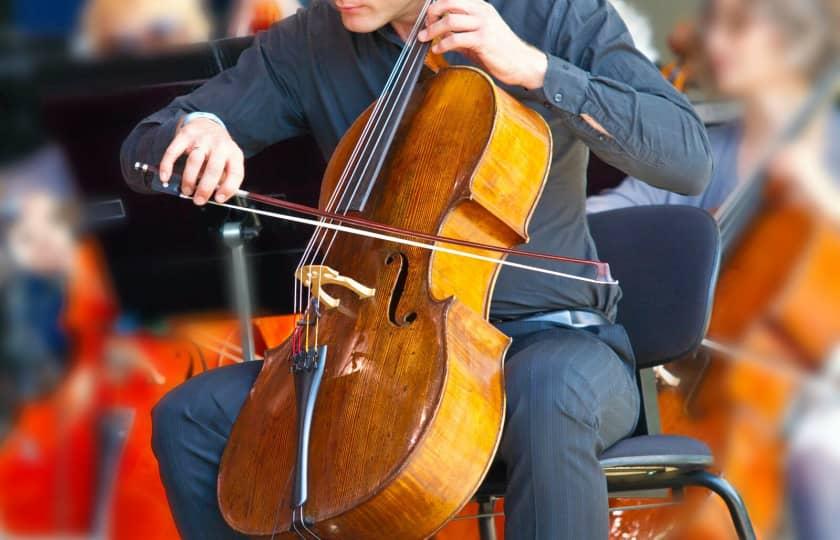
(558,98)
(601,138)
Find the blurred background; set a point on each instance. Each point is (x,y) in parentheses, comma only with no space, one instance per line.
(108,298)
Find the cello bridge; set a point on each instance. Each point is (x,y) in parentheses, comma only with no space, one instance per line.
(315,277)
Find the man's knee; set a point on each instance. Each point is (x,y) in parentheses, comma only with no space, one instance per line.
(200,410)
(167,420)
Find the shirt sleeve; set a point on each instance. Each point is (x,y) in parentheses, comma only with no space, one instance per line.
(631,192)
(594,69)
(257,99)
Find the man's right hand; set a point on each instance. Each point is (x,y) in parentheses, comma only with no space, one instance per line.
(215,163)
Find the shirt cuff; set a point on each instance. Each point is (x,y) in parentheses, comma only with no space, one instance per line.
(199,114)
(565,86)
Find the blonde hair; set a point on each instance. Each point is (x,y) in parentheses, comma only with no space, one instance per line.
(102,19)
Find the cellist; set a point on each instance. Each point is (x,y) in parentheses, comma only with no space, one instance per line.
(570,379)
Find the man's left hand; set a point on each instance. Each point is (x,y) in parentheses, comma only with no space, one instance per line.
(475,29)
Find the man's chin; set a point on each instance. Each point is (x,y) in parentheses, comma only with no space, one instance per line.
(360,24)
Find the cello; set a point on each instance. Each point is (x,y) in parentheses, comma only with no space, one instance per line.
(778,300)
(380,416)
(776,317)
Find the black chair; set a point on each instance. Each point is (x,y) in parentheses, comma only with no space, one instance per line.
(667,259)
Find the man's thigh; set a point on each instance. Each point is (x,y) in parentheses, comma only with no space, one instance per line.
(191,426)
(577,376)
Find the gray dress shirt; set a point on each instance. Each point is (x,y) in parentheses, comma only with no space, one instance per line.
(308,74)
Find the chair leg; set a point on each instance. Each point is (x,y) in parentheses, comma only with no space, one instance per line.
(737,509)
(486,521)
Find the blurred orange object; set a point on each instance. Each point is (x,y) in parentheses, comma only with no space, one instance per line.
(684,43)
(266,13)
(50,463)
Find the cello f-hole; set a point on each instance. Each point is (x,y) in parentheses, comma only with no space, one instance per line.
(397,292)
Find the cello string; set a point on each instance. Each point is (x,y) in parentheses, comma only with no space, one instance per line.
(298,290)
(352,161)
(351,166)
(416,55)
(404,241)
(298,296)
(305,527)
(369,125)
(390,101)
(338,193)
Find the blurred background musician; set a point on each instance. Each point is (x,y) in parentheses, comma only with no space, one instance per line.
(37,248)
(142,26)
(36,253)
(111,27)
(768,55)
(685,44)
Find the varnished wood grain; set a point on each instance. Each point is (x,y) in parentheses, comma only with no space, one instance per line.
(410,410)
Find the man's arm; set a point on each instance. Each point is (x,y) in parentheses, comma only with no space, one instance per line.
(595,73)
(592,76)
(257,102)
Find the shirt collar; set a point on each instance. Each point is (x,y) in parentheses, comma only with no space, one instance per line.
(391,35)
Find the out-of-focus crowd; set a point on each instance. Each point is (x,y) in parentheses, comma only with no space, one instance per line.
(764,57)
(40,215)
(109,26)
(70,366)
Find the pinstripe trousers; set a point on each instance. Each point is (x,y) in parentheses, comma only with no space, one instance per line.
(571,394)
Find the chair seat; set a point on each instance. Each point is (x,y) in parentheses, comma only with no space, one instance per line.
(643,452)
(657,451)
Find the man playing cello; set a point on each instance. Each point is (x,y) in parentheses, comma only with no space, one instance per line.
(570,378)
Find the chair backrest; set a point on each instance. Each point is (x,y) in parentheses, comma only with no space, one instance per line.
(666,259)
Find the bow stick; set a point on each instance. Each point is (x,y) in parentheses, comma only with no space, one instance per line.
(373,229)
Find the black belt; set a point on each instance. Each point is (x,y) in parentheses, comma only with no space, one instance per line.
(575,318)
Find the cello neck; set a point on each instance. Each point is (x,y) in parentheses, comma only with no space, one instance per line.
(373,146)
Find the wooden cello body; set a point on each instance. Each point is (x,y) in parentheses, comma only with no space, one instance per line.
(411,403)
